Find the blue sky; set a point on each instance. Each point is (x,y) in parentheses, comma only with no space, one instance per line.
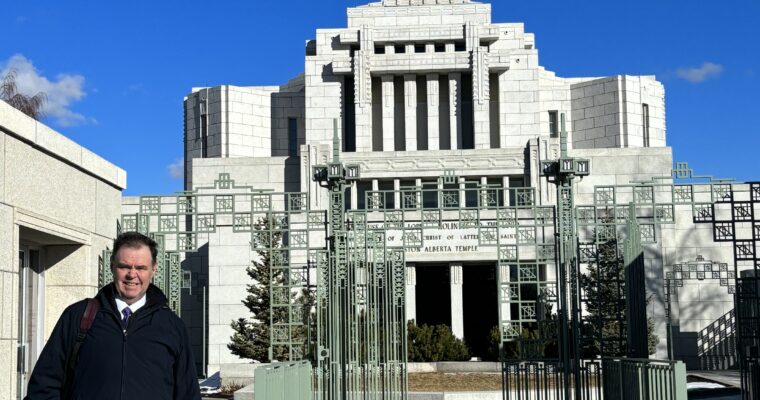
(116,72)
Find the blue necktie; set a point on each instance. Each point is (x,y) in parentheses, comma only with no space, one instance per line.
(127,313)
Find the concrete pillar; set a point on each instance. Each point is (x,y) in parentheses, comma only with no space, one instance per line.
(363,116)
(354,195)
(418,184)
(455,109)
(433,104)
(481,112)
(506,309)
(397,194)
(410,108)
(481,196)
(411,291)
(457,303)
(376,196)
(462,198)
(388,104)
(505,192)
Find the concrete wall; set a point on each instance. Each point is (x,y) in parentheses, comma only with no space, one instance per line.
(229,253)
(620,166)
(607,112)
(242,121)
(60,199)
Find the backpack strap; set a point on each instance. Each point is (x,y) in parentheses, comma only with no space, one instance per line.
(84,326)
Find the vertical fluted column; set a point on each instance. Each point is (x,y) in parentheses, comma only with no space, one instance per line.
(363,91)
(410,110)
(455,109)
(388,104)
(433,104)
(481,95)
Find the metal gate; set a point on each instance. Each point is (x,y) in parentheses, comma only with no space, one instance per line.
(748,318)
(556,327)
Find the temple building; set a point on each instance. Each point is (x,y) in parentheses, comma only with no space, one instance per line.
(418,90)
(444,122)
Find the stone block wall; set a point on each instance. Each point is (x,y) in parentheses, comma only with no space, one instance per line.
(61,200)
(426,13)
(324,91)
(608,112)
(242,121)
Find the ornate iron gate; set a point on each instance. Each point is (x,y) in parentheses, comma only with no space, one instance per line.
(360,300)
(551,342)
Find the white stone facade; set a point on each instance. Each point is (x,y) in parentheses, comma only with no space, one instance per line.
(420,88)
(59,208)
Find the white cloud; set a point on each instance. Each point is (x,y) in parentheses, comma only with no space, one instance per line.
(64,90)
(700,74)
(176,169)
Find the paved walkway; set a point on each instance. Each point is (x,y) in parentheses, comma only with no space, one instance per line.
(728,377)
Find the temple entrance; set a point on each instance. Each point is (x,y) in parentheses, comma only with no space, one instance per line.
(433,294)
(480,309)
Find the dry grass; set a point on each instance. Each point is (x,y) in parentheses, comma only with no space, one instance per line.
(454,382)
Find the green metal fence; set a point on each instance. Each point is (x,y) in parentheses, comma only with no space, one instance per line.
(283,381)
(641,378)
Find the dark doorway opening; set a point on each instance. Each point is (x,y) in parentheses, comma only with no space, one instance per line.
(433,295)
(480,309)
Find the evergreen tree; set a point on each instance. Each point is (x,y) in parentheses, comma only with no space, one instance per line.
(252,337)
(605,305)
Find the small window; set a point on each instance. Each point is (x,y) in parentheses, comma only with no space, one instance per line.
(554,123)
(362,187)
(429,194)
(399,49)
(459,46)
(645,122)
(440,48)
(379,49)
(204,135)
(419,48)
(292,137)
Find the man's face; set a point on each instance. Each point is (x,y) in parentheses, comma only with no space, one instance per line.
(133,271)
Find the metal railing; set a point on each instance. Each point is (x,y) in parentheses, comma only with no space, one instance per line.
(283,381)
(645,379)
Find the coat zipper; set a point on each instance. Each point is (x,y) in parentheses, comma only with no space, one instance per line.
(123,362)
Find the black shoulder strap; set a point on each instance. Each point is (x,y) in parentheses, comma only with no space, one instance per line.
(84,326)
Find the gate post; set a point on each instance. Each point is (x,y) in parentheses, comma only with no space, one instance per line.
(562,172)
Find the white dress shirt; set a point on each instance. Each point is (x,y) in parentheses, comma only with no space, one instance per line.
(121,304)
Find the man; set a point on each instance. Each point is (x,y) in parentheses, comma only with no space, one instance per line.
(136,348)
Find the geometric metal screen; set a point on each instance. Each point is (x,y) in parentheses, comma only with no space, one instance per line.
(716,343)
(353,263)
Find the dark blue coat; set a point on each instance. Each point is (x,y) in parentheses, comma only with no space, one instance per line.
(152,359)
